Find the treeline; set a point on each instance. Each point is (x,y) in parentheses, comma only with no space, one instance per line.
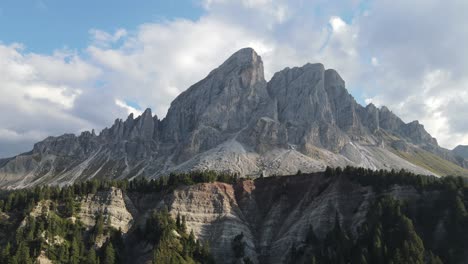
(383,179)
(174,180)
(23,200)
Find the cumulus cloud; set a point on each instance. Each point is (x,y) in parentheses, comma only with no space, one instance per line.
(422,72)
(39,96)
(337,24)
(130,109)
(102,38)
(398,53)
(160,60)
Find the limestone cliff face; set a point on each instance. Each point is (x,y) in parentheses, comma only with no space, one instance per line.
(461,152)
(221,104)
(275,213)
(234,120)
(413,131)
(124,150)
(116,208)
(213,214)
(315,107)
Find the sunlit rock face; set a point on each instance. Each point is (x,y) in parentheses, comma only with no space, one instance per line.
(115,207)
(234,120)
(274,213)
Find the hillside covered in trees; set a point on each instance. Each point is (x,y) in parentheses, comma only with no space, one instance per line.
(45,224)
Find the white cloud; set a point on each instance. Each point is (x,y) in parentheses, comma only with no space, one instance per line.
(38,96)
(14,136)
(102,38)
(424,74)
(161,60)
(62,96)
(337,24)
(130,109)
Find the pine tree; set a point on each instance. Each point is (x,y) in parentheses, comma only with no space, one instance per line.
(363,259)
(69,207)
(62,254)
(91,258)
(22,254)
(313,260)
(184,224)
(99,226)
(178,222)
(432,259)
(5,254)
(109,254)
(75,251)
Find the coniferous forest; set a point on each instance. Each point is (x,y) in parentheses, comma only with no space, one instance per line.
(393,232)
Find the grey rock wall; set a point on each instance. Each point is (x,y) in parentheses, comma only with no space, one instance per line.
(234,120)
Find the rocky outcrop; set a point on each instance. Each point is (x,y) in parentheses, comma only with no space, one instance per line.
(222,103)
(461,151)
(213,215)
(275,213)
(43,259)
(413,131)
(234,120)
(265,135)
(461,154)
(116,208)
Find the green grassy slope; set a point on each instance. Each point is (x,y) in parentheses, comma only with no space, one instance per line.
(432,162)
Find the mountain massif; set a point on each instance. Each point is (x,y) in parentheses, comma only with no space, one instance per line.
(235,121)
(357,184)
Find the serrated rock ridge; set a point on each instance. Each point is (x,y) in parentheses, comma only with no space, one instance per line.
(234,120)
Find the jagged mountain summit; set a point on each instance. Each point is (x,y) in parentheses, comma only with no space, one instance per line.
(234,120)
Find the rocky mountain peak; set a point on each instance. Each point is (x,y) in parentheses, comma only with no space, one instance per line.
(296,91)
(334,78)
(412,131)
(371,107)
(224,101)
(143,127)
(246,64)
(461,151)
(315,106)
(147,113)
(233,120)
(244,56)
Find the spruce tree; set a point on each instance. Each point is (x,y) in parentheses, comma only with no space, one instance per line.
(91,258)
(109,254)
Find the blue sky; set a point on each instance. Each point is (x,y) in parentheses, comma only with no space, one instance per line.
(70,66)
(46,25)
